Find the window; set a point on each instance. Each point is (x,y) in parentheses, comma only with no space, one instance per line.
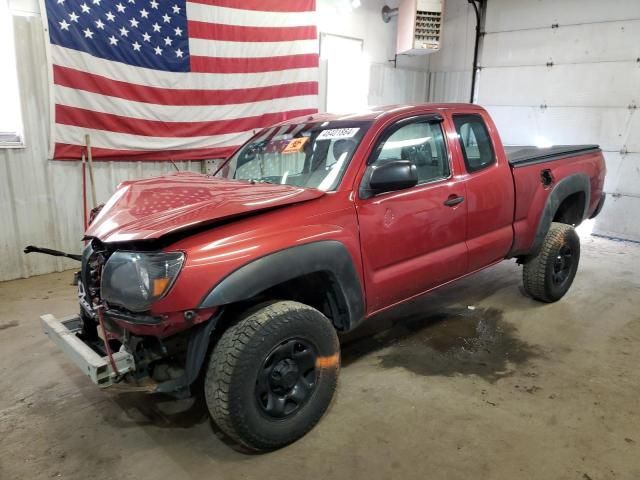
(475,142)
(423,144)
(313,155)
(10,117)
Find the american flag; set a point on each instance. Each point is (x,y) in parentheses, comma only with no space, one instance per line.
(177,79)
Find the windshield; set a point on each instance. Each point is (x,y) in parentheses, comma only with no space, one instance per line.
(313,155)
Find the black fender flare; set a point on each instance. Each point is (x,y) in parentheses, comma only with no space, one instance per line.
(324,256)
(576,183)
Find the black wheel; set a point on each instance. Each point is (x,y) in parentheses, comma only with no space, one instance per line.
(548,275)
(272,375)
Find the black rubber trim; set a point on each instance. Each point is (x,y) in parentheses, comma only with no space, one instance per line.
(523,156)
(576,183)
(133,318)
(598,209)
(328,256)
(196,352)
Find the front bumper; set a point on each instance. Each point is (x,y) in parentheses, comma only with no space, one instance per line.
(98,368)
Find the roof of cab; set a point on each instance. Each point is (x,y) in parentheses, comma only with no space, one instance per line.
(375,113)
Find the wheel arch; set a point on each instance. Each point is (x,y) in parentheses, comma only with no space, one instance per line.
(324,267)
(567,203)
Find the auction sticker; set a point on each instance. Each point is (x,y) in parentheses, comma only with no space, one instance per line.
(295,145)
(334,133)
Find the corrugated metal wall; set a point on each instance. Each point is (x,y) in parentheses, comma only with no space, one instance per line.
(40,200)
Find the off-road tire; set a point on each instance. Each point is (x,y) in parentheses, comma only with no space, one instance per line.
(538,273)
(237,360)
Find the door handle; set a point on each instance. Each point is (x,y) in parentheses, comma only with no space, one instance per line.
(453,200)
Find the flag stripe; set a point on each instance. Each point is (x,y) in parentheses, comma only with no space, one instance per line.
(68,77)
(72,97)
(264,5)
(252,65)
(75,135)
(247,18)
(153,128)
(239,33)
(67,57)
(67,151)
(218,48)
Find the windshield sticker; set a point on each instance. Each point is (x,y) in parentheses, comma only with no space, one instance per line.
(296,145)
(335,133)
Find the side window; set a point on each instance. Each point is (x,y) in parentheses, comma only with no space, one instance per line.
(475,142)
(423,144)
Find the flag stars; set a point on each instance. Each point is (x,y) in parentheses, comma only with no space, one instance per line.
(121,8)
(124,32)
(158,50)
(136,46)
(168,41)
(113,40)
(178,31)
(153,4)
(99,24)
(88,33)
(176,9)
(85,8)
(111,17)
(166,18)
(146,37)
(179,53)
(60,2)
(156,27)
(74,17)
(96,2)
(134,23)
(64,25)
(144,13)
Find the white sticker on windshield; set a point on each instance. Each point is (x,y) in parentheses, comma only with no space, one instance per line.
(334,133)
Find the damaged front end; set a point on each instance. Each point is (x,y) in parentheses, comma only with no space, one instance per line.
(117,338)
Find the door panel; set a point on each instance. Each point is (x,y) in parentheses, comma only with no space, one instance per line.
(490,191)
(411,241)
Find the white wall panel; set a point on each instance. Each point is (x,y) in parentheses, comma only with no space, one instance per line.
(619,217)
(388,85)
(591,92)
(596,42)
(614,129)
(450,67)
(612,84)
(507,15)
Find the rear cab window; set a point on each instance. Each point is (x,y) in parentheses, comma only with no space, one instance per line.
(475,142)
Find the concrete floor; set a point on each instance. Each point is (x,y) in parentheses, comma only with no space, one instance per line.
(509,388)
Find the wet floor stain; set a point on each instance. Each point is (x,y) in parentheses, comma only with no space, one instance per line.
(4,326)
(457,341)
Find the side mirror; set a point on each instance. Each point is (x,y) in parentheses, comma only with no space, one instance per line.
(391,176)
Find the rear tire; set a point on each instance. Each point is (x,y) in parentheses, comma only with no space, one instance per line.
(548,275)
(273,374)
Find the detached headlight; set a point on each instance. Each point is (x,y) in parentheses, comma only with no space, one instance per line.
(135,280)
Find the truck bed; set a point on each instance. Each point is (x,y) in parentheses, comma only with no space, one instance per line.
(519,155)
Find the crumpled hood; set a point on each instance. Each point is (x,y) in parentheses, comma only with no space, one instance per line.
(151,208)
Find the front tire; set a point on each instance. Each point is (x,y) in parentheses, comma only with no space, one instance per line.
(548,275)
(273,374)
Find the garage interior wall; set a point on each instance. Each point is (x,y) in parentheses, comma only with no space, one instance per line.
(556,72)
(41,201)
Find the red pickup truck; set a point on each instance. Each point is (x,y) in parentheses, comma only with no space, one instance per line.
(244,279)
